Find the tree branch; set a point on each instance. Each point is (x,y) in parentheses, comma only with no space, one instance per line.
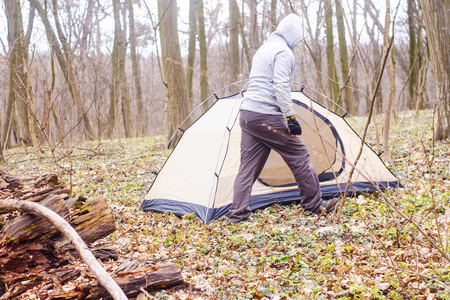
(64,227)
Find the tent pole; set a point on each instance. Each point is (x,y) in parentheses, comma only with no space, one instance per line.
(346,113)
(166,147)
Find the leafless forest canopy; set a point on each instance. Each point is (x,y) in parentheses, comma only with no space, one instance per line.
(74,70)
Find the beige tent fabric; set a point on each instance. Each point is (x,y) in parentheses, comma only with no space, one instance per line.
(202,168)
(189,173)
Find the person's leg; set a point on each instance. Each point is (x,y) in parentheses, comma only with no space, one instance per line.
(274,133)
(296,156)
(254,155)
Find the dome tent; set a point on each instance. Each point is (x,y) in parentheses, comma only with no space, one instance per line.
(199,174)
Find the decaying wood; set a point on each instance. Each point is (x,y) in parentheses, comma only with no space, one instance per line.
(35,255)
(150,279)
(70,233)
(9,182)
(29,227)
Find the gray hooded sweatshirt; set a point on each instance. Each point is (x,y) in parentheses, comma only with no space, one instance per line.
(273,68)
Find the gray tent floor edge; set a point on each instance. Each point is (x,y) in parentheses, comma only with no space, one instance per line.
(180,209)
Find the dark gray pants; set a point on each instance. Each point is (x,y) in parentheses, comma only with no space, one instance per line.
(260,134)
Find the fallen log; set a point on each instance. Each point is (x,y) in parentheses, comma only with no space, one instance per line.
(151,279)
(35,255)
(64,227)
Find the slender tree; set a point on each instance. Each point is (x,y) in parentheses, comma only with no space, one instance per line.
(20,93)
(65,62)
(254,41)
(245,47)
(333,86)
(136,71)
(119,95)
(437,23)
(355,66)
(178,105)
(204,86)
(113,114)
(233,55)
(413,48)
(374,13)
(314,46)
(84,46)
(30,26)
(391,75)
(123,81)
(192,44)
(273,15)
(343,56)
(423,72)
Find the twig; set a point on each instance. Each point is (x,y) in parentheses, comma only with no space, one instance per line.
(381,242)
(363,138)
(419,274)
(145,292)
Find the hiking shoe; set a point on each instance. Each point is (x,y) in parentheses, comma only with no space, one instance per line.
(326,206)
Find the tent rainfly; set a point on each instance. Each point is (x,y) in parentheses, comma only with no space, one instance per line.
(199,174)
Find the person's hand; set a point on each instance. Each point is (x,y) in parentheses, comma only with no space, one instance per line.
(294,127)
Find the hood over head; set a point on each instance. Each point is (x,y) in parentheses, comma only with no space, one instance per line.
(290,28)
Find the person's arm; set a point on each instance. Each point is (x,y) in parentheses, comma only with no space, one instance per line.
(284,66)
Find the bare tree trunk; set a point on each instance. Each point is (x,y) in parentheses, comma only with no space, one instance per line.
(136,71)
(178,105)
(7,125)
(30,26)
(192,44)
(19,83)
(123,82)
(273,15)
(204,86)
(333,86)
(66,68)
(233,57)
(391,75)
(17,96)
(84,49)
(343,55)
(437,23)
(376,53)
(314,47)
(125,97)
(48,94)
(119,87)
(413,48)
(72,82)
(355,66)
(254,41)
(102,123)
(113,114)
(245,48)
(21,100)
(421,89)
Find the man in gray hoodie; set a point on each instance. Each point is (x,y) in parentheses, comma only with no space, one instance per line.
(267,120)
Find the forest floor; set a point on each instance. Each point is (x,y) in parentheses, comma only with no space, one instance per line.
(395,245)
